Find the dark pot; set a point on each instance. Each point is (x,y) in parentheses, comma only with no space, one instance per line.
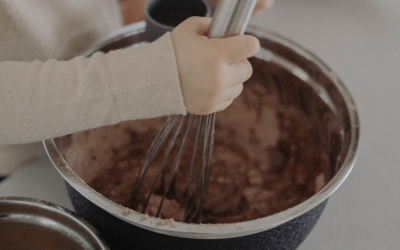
(164,15)
(285,230)
(122,235)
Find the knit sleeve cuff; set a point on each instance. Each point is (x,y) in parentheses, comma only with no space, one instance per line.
(146,80)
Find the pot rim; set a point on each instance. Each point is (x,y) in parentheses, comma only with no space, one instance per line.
(218,231)
(162,26)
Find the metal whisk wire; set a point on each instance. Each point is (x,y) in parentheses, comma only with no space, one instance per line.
(205,170)
(230,18)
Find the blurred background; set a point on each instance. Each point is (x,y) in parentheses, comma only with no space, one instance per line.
(360,41)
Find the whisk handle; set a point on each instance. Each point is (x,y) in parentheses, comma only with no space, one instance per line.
(231,18)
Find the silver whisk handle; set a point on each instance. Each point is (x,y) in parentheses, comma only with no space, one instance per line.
(231,18)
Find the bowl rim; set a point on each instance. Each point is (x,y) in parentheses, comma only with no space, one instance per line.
(218,231)
(42,209)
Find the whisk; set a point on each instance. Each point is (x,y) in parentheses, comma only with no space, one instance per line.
(230,19)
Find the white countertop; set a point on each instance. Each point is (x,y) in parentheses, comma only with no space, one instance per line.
(360,40)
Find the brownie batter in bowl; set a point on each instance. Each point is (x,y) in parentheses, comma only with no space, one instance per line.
(270,153)
(280,150)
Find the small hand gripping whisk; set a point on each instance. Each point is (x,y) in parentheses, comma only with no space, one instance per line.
(231,18)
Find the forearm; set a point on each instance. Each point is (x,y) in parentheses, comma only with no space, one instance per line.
(41,100)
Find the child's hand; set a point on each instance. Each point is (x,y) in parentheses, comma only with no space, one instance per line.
(211,71)
(260,6)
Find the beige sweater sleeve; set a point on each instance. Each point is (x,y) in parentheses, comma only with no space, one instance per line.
(41,100)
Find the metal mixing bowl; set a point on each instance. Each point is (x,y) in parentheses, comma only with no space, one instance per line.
(285,230)
(36,225)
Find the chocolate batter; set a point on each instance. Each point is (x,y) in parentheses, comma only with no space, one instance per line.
(273,150)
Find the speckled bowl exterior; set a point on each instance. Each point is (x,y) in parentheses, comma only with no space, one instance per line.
(123,235)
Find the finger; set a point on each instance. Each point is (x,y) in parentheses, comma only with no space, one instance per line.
(232,93)
(238,72)
(223,106)
(236,48)
(200,25)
